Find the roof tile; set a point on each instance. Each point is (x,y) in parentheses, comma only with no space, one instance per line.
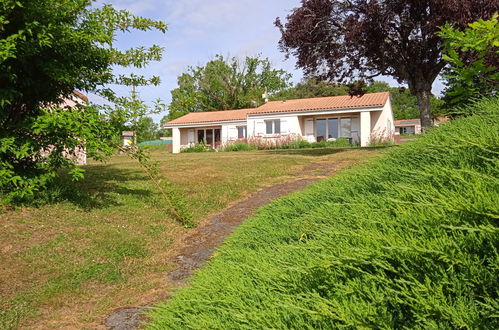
(210,116)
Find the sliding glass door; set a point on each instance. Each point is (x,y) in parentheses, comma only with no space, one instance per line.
(210,137)
(332,128)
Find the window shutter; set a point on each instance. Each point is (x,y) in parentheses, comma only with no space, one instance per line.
(260,128)
(309,127)
(281,126)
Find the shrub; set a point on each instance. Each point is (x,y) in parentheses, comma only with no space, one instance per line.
(407,241)
(381,139)
(282,142)
(240,145)
(200,147)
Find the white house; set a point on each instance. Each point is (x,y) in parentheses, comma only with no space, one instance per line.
(360,119)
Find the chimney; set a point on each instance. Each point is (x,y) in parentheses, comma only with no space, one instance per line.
(265,96)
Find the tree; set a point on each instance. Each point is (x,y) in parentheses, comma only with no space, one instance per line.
(225,85)
(164,132)
(146,129)
(404,104)
(474,61)
(48,48)
(311,87)
(341,39)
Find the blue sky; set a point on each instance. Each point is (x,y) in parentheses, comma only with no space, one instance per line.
(200,29)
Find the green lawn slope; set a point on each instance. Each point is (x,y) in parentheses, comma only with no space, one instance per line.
(407,241)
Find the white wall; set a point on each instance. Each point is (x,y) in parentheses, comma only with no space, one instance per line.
(289,125)
(175,140)
(382,122)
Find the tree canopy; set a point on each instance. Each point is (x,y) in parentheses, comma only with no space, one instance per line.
(473,54)
(225,84)
(341,40)
(49,48)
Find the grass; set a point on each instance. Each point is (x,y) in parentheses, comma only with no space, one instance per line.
(406,241)
(103,243)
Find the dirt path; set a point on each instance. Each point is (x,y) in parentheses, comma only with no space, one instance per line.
(200,244)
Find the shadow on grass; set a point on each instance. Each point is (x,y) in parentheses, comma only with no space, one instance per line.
(99,189)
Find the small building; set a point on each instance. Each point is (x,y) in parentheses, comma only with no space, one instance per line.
(408,126)
(129,138)
(359,119)
(413,126)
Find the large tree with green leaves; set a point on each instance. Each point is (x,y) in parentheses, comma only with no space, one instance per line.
(48,48)
(343,40)
(226,84)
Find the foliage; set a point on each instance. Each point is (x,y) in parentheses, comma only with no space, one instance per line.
(164,132)
(239,145)
(47,50)
(177,205)
(200,147)
(282,142)
(404,104)
(311,87)
(473,55)
(226,84)
(364,39)
(146,129)
(408,241)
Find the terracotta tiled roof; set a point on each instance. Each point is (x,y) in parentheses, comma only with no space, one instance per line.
(209,116)
(322,103)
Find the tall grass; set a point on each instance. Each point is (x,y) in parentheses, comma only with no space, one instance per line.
(408,241)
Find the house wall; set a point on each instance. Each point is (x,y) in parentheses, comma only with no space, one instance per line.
(290,124)
(382,123)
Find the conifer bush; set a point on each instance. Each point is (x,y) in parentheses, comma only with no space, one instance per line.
(407,241)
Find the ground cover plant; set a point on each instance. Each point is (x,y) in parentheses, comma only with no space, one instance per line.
(102,243)
(407,241)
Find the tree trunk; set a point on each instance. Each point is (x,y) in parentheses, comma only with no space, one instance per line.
(423,96)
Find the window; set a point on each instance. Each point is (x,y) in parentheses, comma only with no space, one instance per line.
(345,124)
(241,132)
(332,128)
(407,130)
(273,126)
(321,130)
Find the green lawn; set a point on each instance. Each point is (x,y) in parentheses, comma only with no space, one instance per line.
(409,240)
(103,242)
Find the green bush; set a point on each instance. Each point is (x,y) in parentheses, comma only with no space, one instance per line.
(407,241)
(198,148)
(238,146)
